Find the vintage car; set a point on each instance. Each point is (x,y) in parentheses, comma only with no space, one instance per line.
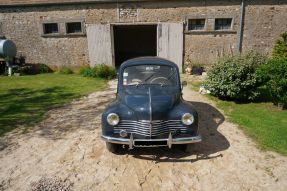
(149,110)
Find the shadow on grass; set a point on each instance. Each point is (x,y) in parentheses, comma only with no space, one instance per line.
(212,141)
(23,107)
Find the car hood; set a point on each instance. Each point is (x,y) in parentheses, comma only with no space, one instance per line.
(150,103)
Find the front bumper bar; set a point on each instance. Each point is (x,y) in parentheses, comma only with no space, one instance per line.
(169,141)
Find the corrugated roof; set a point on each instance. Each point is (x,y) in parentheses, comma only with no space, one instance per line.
(51,2)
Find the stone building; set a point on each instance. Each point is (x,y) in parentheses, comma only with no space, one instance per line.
(77,32)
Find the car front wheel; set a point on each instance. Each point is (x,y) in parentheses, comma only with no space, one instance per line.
(113,148)
(182,147)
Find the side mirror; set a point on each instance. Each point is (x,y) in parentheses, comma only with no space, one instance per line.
(184,83)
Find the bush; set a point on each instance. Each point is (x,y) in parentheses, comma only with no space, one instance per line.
(274,76)
(66,70)
(105,71)
(88,72)
(100,71)
(112,73)
(32,69)
(280,48)
(82,69)
(234,77)
(43,68)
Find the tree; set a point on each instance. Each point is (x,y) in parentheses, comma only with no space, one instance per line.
(280,48)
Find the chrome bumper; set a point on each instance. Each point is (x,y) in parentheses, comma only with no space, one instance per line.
(169,141)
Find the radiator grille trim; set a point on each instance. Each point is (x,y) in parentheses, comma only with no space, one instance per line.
(143,127)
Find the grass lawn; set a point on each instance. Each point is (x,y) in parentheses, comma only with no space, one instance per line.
(25,99)
(262,121)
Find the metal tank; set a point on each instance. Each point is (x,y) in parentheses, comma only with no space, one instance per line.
(7,48)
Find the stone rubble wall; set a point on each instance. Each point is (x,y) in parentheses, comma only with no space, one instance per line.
(264,21)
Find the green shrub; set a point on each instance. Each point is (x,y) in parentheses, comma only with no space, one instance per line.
(83,69)
(43,68)
(87,71)
(105,71)
(274,76)
(66,70)
(112,73)
(100,71)
(280,48)
(234,77)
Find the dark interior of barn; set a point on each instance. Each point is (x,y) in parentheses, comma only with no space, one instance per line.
(132,41)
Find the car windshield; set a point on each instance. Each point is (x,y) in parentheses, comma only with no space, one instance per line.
(150,75)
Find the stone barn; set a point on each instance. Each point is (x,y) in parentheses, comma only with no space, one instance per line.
(78,32)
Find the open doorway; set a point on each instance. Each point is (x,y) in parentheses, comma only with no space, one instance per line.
(132,41)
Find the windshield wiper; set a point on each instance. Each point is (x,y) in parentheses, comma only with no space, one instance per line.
(149,77)
(172,75)
(142,83)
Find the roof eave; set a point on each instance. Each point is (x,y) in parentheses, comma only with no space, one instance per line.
(75,2)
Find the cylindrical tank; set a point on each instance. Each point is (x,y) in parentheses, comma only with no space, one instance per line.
(7,48)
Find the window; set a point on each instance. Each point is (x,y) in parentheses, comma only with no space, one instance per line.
(74,27)
(223,24)
(196,24)
(150,75)
(50,28)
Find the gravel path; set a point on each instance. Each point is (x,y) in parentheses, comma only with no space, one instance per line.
(65,152)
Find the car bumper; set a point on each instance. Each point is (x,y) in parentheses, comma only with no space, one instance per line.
(153,142)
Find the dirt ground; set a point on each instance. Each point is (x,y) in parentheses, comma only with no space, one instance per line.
(65,152)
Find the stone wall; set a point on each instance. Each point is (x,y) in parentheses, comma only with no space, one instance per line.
(23,26)
(264,21)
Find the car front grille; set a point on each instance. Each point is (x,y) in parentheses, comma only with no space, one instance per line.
(147,128)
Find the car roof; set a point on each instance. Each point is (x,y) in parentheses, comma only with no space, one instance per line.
(147,60)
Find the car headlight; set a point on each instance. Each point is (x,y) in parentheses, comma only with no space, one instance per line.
(187,119)
(113,119)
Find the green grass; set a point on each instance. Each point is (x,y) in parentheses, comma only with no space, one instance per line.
(24,100)
(264,122)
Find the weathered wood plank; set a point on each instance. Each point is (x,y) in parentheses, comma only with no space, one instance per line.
(170,42)
(99,44)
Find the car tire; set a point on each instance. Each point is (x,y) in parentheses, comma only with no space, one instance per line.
(113,148)
(182,147)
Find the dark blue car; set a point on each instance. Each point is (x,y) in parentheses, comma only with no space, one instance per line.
(149,110)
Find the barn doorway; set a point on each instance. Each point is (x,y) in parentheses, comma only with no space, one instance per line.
(132,41)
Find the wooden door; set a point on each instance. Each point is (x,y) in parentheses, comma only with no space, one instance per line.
(99,38)
(170,42)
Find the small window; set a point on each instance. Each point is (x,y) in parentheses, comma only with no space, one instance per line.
(223,24)
(196,24)
(50,28)
(74,27)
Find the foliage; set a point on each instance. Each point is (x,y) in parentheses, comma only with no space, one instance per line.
(9,59)
(100,71)
(83,69)
(274,76)
(256,119)
(88,72)
(105,71)
(66,70)
(112,73)
(43,68)
(234,77)
(25,99)
(280,48)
